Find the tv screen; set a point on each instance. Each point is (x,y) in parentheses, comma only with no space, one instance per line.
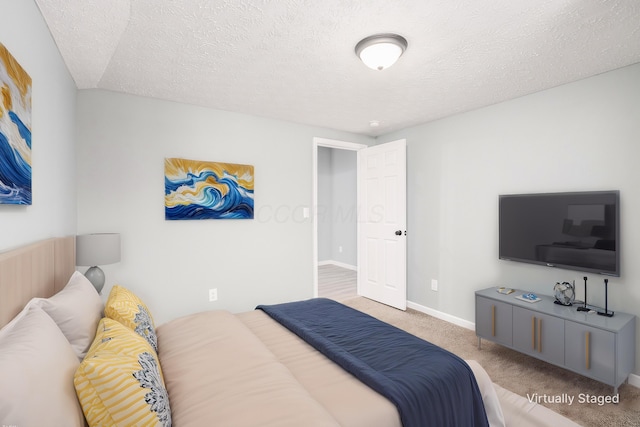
(577,231)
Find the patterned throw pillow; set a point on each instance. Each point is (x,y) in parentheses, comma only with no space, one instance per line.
(120,380)
(125,307)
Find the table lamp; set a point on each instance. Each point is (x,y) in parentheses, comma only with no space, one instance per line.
(97,249)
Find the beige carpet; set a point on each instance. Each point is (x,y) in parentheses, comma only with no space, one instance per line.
(514,371)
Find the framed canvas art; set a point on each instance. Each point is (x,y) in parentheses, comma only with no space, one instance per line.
(196,189)
(15,131)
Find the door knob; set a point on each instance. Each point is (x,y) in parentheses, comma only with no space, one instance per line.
(398,232)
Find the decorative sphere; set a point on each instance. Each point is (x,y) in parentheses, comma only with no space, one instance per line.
(564,292)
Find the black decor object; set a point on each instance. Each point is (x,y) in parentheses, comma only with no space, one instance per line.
(606,312)
(584,307)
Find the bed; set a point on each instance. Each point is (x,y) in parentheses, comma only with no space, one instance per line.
(81,361)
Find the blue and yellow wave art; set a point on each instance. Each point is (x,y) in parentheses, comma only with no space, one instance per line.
(15,131)
(207,190)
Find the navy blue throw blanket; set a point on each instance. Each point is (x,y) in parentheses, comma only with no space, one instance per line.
(429,385)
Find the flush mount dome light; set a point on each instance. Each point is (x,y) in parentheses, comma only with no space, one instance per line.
(381,51)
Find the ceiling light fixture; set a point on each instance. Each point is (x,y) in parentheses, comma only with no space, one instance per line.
(381,51)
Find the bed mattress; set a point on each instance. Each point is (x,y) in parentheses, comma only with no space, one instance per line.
(247,370)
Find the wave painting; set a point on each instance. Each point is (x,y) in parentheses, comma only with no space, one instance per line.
(207,190)
(15,131)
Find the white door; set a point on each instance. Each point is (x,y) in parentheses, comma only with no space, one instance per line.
(382,219)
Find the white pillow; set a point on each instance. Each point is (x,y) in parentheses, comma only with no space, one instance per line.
(489,396)
(76,309)
(37,365)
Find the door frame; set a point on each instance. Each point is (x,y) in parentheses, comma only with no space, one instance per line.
(329,143)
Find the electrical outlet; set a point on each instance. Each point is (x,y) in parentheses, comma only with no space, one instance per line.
(213,295)
(434,285)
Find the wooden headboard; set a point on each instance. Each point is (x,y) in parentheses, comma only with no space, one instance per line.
(36,270)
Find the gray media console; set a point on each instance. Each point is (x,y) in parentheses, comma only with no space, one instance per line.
(598,347)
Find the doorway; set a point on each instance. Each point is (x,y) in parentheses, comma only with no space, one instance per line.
(380,217)
(335,230)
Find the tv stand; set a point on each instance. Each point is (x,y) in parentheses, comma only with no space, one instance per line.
(598,347)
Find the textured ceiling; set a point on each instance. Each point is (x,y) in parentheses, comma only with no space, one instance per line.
(295,60)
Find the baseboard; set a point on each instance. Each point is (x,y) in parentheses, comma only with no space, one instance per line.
(443,316)
(338,264)
(633,379)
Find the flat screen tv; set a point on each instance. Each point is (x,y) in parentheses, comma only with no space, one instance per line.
(576,231)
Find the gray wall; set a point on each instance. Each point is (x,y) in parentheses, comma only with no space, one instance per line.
(123,141)
(580,136)
(337,201)
(53,212)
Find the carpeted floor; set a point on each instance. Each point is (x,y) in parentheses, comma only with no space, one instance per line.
(514,371)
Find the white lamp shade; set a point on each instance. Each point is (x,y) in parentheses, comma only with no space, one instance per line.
(381,51)
(97,249)
(380,55)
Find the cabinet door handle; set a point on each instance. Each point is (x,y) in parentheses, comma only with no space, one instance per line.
(493,320)
(533,332)
(539,335)
(586,348)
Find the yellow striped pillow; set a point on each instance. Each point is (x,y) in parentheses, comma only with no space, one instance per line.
(125,307)
(120,382)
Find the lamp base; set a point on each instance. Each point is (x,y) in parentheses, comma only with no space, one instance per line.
(607,313)
(96,277)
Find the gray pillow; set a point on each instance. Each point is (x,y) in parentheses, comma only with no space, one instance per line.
(37,365)
(76,309)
